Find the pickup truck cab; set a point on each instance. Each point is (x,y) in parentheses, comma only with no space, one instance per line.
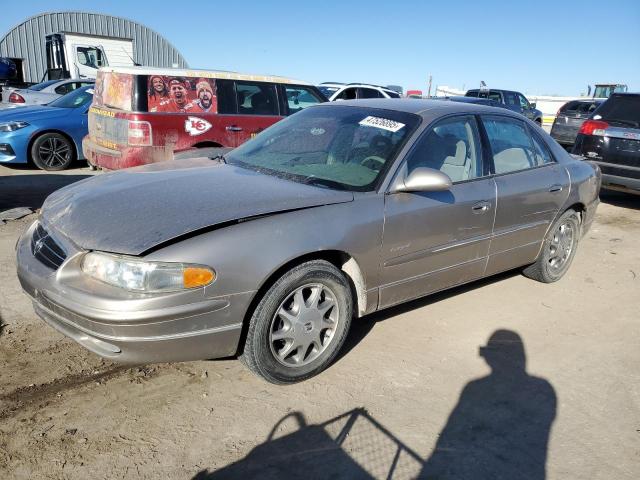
(512,100)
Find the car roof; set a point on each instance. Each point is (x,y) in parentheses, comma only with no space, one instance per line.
(182,72)
(422,107)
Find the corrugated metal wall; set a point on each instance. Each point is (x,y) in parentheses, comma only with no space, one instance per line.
(27,40)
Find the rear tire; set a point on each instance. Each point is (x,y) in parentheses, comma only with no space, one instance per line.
(558,249)
(52,152)
(300,324)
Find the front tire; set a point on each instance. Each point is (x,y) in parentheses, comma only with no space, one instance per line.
(300,324)
(52,152)
(558,249)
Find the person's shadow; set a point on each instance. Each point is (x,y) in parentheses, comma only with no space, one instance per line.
(500,427)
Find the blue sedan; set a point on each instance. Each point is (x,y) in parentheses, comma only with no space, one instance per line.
(49,135)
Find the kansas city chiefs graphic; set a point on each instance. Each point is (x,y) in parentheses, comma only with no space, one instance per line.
(196,126)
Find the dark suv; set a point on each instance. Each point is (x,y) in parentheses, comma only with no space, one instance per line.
(611,138)
(512,100)
(570,118)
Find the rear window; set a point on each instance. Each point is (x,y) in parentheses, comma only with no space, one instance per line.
(624,109)
(471,93)
(114,90)
(40,86)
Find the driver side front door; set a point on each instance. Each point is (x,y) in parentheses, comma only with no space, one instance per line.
(435,240)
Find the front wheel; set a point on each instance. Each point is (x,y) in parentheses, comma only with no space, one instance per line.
(300,324)
(52,152)
(558,249)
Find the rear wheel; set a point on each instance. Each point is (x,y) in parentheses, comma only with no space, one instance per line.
(52,152)
(558,249)
(300,324)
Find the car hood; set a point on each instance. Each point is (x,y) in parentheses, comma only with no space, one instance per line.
(134,210)
(35,112)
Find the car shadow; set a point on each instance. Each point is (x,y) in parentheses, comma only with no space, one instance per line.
(499,428)
(620,199)
(360,327)
(31,190)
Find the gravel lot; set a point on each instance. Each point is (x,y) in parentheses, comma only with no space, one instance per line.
(410,379)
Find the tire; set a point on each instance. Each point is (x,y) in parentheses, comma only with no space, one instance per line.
(287,343)
(558,250)
(52,152)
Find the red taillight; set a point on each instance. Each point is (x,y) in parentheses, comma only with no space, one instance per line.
(139,133)
(16,98)
(593,127)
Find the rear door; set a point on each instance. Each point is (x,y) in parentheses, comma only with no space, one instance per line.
(253,107)
(434,240)
(531,187)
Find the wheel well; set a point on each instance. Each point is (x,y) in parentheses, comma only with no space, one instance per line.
(207,144)
(39,134)
(341,260)
(538,121)
(579,208)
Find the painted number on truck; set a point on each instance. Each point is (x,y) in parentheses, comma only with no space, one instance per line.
(196,126)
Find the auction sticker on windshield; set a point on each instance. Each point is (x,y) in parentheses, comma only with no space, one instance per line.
(383,123)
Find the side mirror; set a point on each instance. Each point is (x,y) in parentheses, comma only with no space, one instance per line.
(532,105)
(423,179)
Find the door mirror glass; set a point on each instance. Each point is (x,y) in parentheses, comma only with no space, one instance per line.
(423,179)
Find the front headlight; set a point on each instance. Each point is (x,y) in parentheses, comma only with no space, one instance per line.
(147,277)
(12,126)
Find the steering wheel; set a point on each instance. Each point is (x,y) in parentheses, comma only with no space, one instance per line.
(373,162)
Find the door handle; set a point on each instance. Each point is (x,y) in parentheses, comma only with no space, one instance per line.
(555,188)
(481,207)
(234,128)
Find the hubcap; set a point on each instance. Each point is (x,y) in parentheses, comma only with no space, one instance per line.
(54,152)
(561,247)
(304,325)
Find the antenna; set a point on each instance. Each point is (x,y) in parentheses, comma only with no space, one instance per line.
(130,58)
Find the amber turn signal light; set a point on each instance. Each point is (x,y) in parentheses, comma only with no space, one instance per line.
(194,277)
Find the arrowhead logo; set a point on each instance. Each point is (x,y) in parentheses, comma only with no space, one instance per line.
(196,126)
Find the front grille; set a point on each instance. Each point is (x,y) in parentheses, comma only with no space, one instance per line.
(45,249)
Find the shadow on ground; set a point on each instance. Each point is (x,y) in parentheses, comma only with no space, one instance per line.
(360,327)
(620,199)
(31,190)
(498,429)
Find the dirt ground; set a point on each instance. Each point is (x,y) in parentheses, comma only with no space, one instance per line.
(398,403)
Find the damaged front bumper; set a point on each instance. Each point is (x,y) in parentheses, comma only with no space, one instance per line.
(123,326)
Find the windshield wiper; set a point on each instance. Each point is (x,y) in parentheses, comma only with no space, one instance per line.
(323,182)
(219,157)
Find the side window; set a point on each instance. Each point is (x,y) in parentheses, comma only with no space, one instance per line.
(64,88)
(472,93)
(90,57)
(543,156)
(451,146)
(524,103)
(495,96)
(510,98)
(369,93)
(510,143)
(393,94)
(256,98)
(299,98)
(347,94)
(226,93)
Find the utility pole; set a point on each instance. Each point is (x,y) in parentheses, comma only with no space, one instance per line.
(429,89)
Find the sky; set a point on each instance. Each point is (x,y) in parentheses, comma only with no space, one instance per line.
(538,47)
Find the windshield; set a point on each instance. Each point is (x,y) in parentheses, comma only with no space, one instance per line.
(75,99)
(328,91)
(340,147)
(40,86)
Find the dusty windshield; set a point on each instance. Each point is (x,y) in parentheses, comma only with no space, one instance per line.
(337,147)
